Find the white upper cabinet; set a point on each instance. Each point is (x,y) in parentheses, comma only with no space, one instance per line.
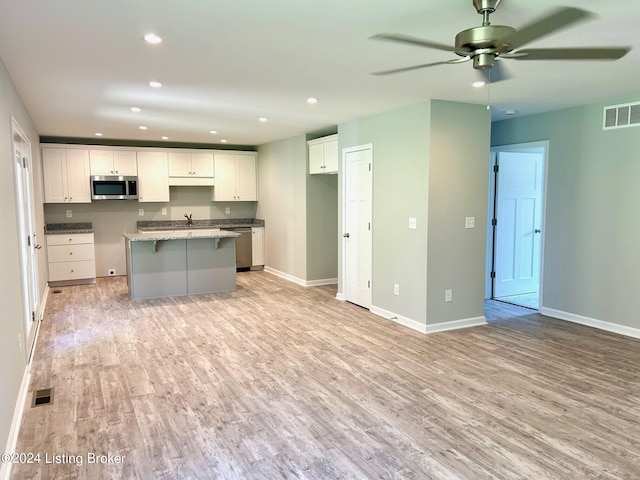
(236,177)
(190,168)
(153,177)
(323,155)
(66,175)
(116,162)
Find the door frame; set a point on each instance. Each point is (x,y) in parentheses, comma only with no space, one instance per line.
(341,294)
(516,147)
(26,228)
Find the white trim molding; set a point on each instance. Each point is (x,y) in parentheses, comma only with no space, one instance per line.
(433,328)
(12,441)
(299,281)
(592,322)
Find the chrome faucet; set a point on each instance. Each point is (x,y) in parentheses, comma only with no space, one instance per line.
(188,217)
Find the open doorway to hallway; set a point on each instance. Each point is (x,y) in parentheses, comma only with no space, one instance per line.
(515,224)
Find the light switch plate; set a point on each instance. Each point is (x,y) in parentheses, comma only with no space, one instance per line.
(470,222)
(412,223)
(141,212)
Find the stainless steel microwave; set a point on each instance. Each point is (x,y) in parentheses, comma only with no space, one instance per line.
(114,187)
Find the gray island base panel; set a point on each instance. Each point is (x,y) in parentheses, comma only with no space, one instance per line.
(180,263)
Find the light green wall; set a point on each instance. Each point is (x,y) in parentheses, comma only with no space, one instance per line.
(282,204)
(431,163)
(400,141)
(591,264)
(458,185)
(322,227)
(12,357)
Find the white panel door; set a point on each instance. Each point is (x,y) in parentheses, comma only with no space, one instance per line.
(357,231)
(519,227)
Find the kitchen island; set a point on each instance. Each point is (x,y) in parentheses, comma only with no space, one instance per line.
(181,262)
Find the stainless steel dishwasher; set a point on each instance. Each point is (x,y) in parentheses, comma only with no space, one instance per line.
(243,248)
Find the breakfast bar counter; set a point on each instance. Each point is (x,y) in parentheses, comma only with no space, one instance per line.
(181,262)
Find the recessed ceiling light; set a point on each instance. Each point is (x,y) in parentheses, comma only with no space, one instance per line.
(142,127)
(213,132)
(136,109)
(478,84)
(152,38)
(164,137)
(98,134)
(224,140)
(263,119)
(312,100)
(155,84)
(510,112)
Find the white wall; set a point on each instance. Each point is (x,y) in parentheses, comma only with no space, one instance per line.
(12,357)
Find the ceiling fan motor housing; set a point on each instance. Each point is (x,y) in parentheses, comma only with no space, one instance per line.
(486,5)
(484,44)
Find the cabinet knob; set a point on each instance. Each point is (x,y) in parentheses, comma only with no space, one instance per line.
(70,253)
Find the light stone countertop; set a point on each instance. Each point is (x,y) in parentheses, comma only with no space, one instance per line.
(179,235)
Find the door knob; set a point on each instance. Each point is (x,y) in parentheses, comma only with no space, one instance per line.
(38,247)
(537,230)
(345,235)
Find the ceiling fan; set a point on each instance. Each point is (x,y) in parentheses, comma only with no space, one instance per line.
(487,43)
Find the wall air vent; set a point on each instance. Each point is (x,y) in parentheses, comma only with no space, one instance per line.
(621,116)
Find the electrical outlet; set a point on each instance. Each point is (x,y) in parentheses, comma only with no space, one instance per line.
(164,211)
(69,213)
(396,289)
(412,223)
(112,272)
(448,295)
(20,342)
(227,210)
(470,222)
(141,212)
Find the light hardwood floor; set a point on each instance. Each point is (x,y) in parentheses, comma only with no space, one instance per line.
(280,381)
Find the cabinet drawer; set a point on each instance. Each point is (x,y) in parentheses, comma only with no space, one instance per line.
(70,253)
(71,270)
(70,239)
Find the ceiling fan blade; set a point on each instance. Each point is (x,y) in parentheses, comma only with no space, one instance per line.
(497,73)
(415,67)
(396,37)
(595,53)
(554,21)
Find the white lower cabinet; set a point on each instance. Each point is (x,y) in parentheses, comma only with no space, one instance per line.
(257,246)
(71,258)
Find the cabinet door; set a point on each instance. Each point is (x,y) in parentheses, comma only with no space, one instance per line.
(54,170)
(257,246)
(246,185)
(124,163)
(179,164)
(78,172)
(330,155)
(153,177)
(316,160)
(101,162)
(225,174)
(202,164)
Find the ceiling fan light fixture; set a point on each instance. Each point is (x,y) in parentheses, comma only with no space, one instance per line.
(483,61)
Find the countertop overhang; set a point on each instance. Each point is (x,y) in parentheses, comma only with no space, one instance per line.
(179,235)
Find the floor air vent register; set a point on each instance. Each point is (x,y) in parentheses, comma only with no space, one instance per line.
(42,397)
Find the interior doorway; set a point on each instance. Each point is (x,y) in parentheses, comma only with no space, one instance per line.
(23,179)
(357,229)
(515,226)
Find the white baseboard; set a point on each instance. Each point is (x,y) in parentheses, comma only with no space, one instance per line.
(436,327)
(299,281)
(340,296)
(456,324)
(591,322)
(12,441)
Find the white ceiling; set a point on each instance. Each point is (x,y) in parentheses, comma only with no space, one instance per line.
(79,65)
